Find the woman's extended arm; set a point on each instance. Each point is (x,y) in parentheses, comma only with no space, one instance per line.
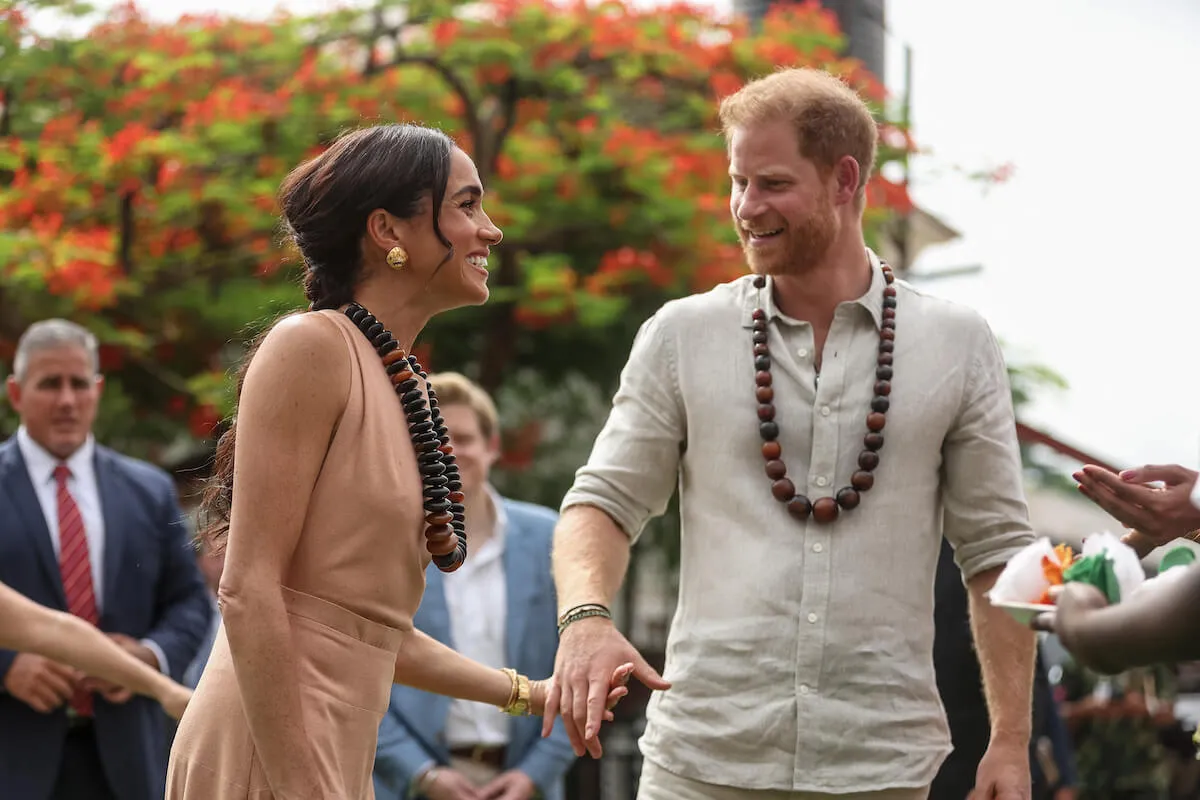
(294,391)
(32,628)
(425,663)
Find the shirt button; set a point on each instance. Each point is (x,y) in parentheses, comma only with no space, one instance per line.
(804,688)
(802,352)
(817,547)
(821,481)
(812,617)
(824,411)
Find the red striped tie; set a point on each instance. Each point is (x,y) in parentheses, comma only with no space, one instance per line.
(76,568)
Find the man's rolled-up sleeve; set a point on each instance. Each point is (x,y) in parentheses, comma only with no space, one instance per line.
(986,515)
(633,467)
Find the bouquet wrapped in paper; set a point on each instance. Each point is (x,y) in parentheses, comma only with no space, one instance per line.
(1105,562)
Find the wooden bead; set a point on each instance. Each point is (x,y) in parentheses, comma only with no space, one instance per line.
(768,431)
(776,469)
(440,518)
(873,441)
(884,360)
(762,378)
(771,450)
(759,281)
(764,394)
(883,372)
(883,388)
(766,412)
(758,325)
(887,334)
(447,449)
(759,337)
(758,314)
(396,355)
(848,498)
(761,350)
(783,490)
(441,545)
(889,302)
(880,404)
(889,291)
(401,376)
(862,480)
(456,497)
(762,363)
(868,460)
(825,510)
(889,313)
(799,507)
(876,421)
(886,345)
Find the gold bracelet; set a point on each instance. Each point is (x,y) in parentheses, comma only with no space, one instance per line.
(518,704)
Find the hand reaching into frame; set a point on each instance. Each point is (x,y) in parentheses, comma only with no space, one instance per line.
(1156,514)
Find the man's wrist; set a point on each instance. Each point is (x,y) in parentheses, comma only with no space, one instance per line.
(1011,738)
(580,612)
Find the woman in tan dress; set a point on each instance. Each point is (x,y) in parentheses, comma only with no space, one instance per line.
(340,489)
(28,627)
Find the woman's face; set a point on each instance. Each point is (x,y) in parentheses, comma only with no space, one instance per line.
(462,278)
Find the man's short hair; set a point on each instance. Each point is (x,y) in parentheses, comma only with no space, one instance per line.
(50,334)
(831,120)
(454,388)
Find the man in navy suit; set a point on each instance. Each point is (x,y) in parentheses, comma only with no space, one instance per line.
(500,608)
(90,531)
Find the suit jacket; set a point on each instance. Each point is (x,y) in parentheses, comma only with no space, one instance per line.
(412,733)
(152,590)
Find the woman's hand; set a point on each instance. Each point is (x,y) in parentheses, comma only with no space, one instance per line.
(618,688)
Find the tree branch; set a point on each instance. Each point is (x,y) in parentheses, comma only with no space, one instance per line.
(456,84)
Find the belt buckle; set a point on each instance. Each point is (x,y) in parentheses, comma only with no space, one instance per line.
(478,751)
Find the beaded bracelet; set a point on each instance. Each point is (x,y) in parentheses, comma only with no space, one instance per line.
(582,612)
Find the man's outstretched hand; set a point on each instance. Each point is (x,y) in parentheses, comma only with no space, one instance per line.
(590,655)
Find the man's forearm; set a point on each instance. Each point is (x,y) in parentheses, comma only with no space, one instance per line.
(1006,657)
(591,556)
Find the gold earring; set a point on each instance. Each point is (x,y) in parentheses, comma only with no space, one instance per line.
(397,258)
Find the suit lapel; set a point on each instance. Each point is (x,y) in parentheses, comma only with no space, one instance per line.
(116,525)
(521,586)
(15,482)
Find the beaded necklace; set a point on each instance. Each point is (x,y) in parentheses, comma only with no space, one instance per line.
(824,509)
(445,534)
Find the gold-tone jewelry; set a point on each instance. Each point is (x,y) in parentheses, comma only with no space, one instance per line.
(518,704)
(397,258)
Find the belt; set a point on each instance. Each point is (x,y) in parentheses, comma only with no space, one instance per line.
(488,755)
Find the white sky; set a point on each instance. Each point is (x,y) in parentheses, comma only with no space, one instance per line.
(1087,251)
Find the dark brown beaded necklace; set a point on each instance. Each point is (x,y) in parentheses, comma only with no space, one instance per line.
(445,536)
(825,509)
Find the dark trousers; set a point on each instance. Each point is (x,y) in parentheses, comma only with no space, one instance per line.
(81,776)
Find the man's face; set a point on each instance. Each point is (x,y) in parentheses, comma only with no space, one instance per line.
(57,398)
(781,205)
(473,453)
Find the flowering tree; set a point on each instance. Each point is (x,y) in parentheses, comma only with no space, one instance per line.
(138,167)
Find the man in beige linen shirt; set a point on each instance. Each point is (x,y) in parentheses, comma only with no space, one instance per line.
(800,656)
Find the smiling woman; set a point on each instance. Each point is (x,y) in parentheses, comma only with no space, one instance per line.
(345,484)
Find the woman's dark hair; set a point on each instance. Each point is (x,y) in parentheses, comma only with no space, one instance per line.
(325,204)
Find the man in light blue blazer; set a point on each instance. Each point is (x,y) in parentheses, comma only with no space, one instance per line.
(500,608)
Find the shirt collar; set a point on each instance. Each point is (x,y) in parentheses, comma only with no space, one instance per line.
(764,298)
(501,515)
(41,462)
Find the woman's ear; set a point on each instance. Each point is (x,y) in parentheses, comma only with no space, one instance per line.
(384,231)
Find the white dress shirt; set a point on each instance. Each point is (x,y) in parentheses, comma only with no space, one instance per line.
(477,597)
(82,485)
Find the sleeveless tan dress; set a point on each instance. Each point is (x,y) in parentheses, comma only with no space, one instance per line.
(355,581)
